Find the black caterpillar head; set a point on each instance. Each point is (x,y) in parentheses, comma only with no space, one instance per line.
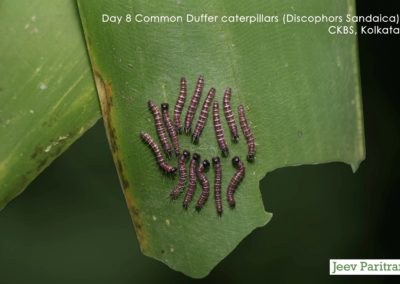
(196,157)
(186,154)
(235,161)
(215,160)
(164,107)
(250,157)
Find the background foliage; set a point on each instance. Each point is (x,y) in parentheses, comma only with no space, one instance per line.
(46,88)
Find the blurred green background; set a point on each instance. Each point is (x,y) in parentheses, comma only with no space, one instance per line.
(71,225)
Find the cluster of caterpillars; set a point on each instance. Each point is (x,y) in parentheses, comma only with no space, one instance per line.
(168,130)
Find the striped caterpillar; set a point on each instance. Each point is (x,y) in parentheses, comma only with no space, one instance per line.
(157,152)
(193,105)
(236,179)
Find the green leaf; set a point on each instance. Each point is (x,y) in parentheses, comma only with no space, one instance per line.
(47,97)
(299,84)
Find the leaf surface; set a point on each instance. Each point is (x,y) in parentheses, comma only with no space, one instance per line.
(299,84)
(47,96)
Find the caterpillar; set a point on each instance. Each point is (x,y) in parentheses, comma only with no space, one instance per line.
(234,182)
(217,184)
(157,152)
(170,128)
(160,128)
(203,116)
(193,105)
(219,132)
(180,102)
(251,146)
(182,175)
(229,115)
(205,185)
(192,181)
